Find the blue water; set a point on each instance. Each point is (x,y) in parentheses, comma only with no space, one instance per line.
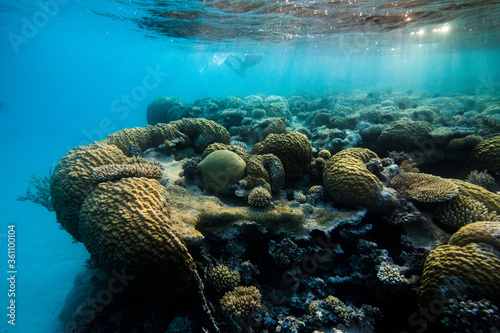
(79,76)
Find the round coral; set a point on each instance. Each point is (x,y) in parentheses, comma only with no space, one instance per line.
(72,181)
(125,226)
(293,149)
(350,184)
(220,169)
(259,197)
(221,278)
(324,154)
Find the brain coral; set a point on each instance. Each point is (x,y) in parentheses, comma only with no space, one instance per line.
(462,210)
(72,181)
(143,137)
(134,167)
(349,182)
(293,149)
(125,225)
(164,110)
(422,187)
(486,232)
(202,132)
(485,155)
(472,271)
(489,199)
(404,135)
(265,170)
(221,168)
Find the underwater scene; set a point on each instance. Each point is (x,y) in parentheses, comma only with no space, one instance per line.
(250,166)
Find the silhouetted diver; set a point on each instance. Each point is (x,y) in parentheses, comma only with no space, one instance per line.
(240,64)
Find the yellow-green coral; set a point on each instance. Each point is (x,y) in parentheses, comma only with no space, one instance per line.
(202,132)
(462,210)
(471,270)
(485,155)
(266,171)
(486,232)
(351,184)
(125,225)
(199,132)
(72,181)
(220,169)
(259,197)
(489,199)
(293,149)
(324,154)
(221,278)
(422,187)
(135,167)
(242,301)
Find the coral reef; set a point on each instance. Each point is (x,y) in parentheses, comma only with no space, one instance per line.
(315,233)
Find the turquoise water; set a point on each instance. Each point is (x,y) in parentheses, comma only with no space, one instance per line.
(72,72)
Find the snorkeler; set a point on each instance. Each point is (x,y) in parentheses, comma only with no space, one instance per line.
(240,64)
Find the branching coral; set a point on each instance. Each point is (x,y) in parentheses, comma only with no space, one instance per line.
(242,301)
